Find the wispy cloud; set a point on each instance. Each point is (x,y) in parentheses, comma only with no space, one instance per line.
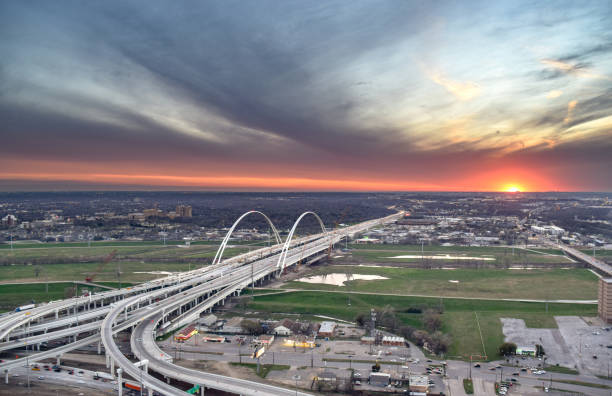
(579,70)
(570,111)
(462,90)
(554,94)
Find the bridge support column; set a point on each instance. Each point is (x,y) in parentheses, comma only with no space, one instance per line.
(120,381)
(6,377)
(150,391)
(201,390)
(99,347)
(107,360)
(59,361)
(125,313)
(112,367)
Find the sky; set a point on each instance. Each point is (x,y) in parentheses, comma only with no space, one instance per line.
(306,95)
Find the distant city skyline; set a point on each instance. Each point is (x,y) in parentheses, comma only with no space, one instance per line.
(317,96)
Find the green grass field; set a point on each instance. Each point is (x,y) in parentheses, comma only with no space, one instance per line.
(501,255)
(12,296)
(579,283)
(462,318)
(67,264)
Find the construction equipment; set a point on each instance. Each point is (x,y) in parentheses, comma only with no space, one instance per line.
(106,260)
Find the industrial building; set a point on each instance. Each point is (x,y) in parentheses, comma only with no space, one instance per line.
(282,331)
(419,384)
(299,342)
(379,379)
(392,340)
(183,211)
(326,329)
(604,306)
(526,350)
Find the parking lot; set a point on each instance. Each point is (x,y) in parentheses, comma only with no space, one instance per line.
(576,344)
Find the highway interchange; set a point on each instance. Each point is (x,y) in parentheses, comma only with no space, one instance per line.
(167,303)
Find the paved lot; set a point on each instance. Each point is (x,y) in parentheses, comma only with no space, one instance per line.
(572,345)
(455,387)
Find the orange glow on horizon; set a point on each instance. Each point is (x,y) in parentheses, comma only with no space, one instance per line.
(512,189)
(488,181)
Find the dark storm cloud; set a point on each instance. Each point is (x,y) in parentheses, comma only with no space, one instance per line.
(283,87)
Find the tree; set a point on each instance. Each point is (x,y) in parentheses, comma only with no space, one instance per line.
(252,327)
(432,320)
(420,337)
(507,348)
(540,350)
(439,342)
(407,331)
(362,319)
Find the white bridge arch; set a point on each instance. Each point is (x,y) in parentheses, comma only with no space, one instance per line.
(283,256)
(221,249)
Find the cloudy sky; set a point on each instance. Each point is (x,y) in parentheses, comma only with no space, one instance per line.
(306,95)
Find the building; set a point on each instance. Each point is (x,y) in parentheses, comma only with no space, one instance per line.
(391,340)
(379,379)
(419,383)
(326,329)
(208,320)
(213,338)
(299,342)
(366,340)
(152,212)
(526,350)
(282,331)
(327,376)
(183,211)
(9,220)
(604,301)
(264,339)
(186,333)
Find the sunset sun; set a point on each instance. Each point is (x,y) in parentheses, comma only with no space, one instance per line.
(512,189)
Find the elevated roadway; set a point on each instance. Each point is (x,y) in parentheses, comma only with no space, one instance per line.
(600,266)
(173,300)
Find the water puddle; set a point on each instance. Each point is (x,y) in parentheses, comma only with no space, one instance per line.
(338,279)
(442,257)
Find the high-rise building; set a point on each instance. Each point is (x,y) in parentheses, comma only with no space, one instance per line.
(183,210)
(604,307)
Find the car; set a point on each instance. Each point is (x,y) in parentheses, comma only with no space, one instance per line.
(357,375)
(428,360)
(81,381)
(594,356)
(40,377)
(15,375)
(492,368)
(523,369)
(516,373)
(35,368)
(81,372)
(357,382)
(477,365)
(513,379)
